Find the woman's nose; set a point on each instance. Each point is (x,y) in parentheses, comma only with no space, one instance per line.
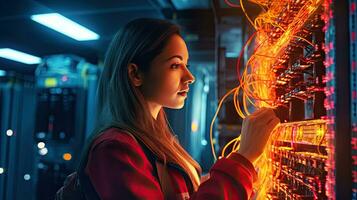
(189,78)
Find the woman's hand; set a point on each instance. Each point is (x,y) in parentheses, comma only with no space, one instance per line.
(255,133)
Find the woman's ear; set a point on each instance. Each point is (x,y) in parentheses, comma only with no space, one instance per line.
(134,74)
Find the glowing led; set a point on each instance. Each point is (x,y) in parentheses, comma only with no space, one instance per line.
(67,156)
(41,145)
(204,142)
(27,177)
(9,132)
(206,88)
(2,73)
(40,165)
(64,78)
(214,141)
(41,135)
(43,151)
(51,82)
(1,170)
(194,126)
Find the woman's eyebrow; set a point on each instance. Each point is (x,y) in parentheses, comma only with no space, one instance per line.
(175,56)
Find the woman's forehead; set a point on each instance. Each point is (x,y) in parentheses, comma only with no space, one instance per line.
(175,49)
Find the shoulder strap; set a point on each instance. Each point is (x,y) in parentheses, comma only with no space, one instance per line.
(160,170)
(165,183)
(148,153)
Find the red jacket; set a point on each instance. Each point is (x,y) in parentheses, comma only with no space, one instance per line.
(119,169)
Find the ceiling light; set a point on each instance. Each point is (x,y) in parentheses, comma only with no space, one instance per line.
(65,26)
(19,56)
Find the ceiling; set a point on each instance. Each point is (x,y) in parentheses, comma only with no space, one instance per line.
(18,31)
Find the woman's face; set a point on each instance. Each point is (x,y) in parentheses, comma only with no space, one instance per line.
(167,82)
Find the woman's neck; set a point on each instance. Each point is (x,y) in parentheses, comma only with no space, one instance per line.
(154,109)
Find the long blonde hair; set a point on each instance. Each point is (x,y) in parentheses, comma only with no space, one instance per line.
(122,105)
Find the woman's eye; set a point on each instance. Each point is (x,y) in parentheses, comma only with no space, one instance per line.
(175,66)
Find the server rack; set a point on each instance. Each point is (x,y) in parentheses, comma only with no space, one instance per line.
(65,103)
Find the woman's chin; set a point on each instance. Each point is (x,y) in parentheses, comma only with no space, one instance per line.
(176,106)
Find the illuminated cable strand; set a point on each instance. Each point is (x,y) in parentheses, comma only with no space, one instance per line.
(255,83)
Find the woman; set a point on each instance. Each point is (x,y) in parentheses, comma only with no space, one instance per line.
(146,70)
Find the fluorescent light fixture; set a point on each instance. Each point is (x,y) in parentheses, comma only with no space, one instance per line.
(19,56)
(65,26)
(2,72)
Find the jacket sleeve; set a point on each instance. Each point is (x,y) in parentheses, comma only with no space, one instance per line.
(119,169)
(230,178)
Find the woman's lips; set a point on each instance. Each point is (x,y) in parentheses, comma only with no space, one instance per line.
(184,94)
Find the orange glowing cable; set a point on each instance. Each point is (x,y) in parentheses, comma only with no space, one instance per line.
(251,93)
(250,21)
(246,110)
(256,83)
(242,52)
(307,41)
(230,4)
(214,118)
(320,142)
(256,79)
(236,103)
(245,99)
(265,56)
(227,145)
(236,144)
